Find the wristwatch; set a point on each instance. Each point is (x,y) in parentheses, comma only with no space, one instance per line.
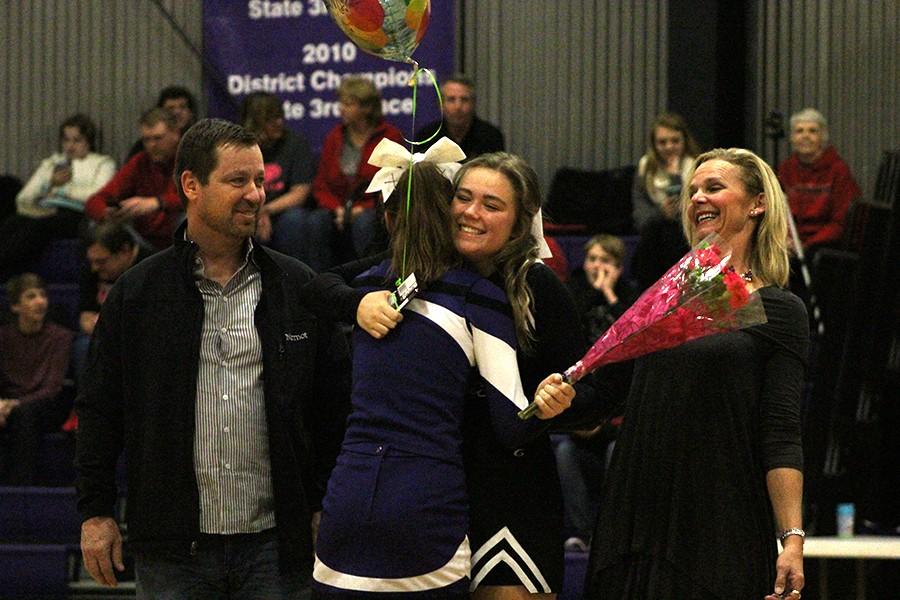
(789,532)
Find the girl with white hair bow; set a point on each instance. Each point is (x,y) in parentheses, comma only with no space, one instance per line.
(396,513)
(514,495)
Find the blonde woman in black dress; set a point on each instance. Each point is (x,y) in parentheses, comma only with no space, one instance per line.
(706,475)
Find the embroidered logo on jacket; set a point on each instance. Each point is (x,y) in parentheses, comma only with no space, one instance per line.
(296,337)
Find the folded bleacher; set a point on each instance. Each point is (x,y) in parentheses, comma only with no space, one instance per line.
(39,532)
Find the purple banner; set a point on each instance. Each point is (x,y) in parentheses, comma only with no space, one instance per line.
(293,49)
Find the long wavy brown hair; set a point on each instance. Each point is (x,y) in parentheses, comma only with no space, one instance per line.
(521,251)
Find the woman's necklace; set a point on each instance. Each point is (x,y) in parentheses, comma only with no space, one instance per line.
(747,275)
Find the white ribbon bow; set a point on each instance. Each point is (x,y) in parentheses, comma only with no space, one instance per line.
(537,230)
(394,159)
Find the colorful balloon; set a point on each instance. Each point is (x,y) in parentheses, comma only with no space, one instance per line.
(391,29)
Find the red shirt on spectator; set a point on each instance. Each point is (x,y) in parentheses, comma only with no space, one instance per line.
(142,177)
(819,195)
(331,187)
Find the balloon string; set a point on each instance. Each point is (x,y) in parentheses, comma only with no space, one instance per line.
(415,81)
(403,273)
(412,145)
(440,99)
(409,171)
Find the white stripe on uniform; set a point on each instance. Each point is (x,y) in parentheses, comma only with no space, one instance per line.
(457,568)
(519,562)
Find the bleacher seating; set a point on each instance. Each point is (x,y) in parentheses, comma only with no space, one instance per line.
(39,535)
(39,515)
(10,185)
(40,526)
(589,202)
(35,571)
(60,262)
(573,576)
(56,467)
(573,246)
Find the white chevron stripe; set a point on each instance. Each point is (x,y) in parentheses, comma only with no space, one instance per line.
(502,556)
(518,566)
(496,362)
(456,568)
(449,321)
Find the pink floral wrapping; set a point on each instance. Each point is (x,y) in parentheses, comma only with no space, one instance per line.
(699,296)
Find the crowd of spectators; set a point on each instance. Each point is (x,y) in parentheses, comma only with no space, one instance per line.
(317,210)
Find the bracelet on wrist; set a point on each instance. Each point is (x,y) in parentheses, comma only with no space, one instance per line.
(789,532)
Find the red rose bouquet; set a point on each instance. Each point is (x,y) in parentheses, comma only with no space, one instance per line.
(699,296)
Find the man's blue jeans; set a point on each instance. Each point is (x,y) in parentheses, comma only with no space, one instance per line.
(240,566)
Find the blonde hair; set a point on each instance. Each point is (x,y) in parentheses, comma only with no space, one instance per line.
(768,252)
(521,250)
(363,91)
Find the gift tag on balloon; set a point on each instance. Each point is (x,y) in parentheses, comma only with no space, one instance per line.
(408,288)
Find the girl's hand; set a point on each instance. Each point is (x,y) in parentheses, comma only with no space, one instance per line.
(376,315)
(553,396)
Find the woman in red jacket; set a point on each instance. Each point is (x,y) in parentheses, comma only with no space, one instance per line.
(817,182)
(344,171)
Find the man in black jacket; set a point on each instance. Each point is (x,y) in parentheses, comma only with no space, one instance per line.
(226,393)
(460,123)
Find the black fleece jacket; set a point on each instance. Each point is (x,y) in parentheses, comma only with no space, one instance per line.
(140,391)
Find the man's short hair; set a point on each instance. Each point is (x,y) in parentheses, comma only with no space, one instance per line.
(20,284)
(115,237)
(198,148)
(462,79)
(158,115)
(174,92)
